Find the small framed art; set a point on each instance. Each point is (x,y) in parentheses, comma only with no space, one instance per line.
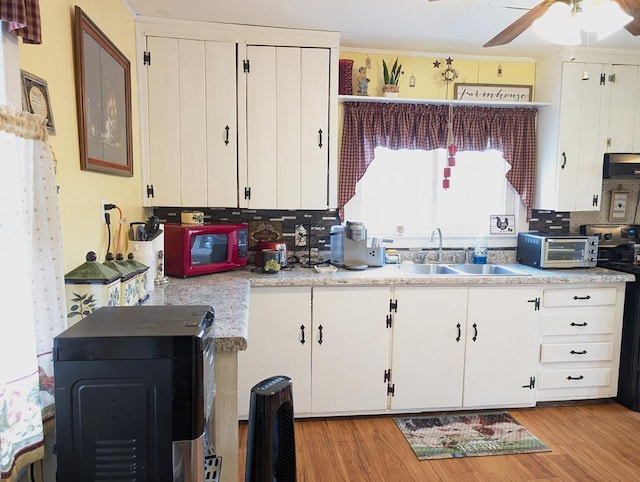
(619,206)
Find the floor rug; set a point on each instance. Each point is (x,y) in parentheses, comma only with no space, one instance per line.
(467,435)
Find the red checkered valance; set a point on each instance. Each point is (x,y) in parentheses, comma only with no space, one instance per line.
(367,125)
(24,19)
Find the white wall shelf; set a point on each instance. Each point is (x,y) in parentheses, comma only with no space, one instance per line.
(403,100)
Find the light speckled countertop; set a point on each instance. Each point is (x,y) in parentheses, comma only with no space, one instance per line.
(228,292)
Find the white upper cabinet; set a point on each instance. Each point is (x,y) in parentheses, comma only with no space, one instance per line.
(191,144)
(287,105)
(572,132)
(624,109)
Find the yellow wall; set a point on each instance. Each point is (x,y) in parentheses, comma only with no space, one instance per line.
(82,191)
(428,79)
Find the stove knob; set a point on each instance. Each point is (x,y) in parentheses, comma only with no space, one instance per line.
(608,236)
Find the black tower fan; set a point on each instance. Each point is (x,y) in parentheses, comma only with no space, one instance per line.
(271,446)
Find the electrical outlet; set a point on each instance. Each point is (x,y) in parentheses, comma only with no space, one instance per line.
(301,236)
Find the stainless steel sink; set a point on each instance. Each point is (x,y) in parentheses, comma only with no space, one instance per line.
(426,269)
(486,269)
(459,269)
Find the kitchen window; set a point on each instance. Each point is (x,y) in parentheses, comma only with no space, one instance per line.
(404,188)
(494,172)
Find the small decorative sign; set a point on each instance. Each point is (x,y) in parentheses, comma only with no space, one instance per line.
(502,224)
(35,98)
(619,204)
(493,92)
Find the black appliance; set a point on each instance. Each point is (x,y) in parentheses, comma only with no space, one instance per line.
(134,394)
(271,447)
(615,253)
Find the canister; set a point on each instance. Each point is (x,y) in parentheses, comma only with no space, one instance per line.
(90,286)
(128,281)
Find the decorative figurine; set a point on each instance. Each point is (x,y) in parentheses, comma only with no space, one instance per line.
(363,82)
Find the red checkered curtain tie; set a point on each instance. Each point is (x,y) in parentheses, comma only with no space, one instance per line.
(24,19)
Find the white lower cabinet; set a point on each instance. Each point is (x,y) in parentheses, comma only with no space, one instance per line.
(336,361)
(350,350)
(427,365)
(279,343)
(502,346)
(580,341)
(370,349)
(464,347)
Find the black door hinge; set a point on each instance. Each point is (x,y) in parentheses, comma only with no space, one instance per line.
(603,78)
(150,192)
(532,383)
(146,58)
(387,375)
(536,303)
(391,389)
(246,67)
(393,306)
(389,321)
(247,193)
(595,200)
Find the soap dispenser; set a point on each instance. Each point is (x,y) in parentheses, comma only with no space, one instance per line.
(480,251)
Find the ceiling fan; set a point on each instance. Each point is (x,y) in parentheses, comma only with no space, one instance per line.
(632,7)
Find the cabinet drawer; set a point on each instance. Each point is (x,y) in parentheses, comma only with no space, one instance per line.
(571,352)
(578,324)
(572,378)
(579,297)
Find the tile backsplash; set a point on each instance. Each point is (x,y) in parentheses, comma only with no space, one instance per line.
(317,223)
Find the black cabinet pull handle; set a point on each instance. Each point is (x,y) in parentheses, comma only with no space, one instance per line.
(475,332)
(320,138)
(575,378)
(579,324)
(302,340)
(564,160)
(582,297)
(320,339)
(226,135)
(459,332)
(583,352)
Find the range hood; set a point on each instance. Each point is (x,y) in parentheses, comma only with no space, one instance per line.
(621,165)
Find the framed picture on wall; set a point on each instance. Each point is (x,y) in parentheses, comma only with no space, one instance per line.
(103,85)
(619,206)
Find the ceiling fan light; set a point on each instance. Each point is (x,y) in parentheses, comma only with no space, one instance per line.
(603,17)
(558,25)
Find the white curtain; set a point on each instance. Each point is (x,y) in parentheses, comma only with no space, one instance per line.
(32,287)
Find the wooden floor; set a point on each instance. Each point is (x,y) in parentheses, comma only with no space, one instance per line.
(599,441)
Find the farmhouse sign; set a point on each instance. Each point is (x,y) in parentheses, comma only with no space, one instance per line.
(493,92)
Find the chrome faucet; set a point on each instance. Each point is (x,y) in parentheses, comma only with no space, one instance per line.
(439,232)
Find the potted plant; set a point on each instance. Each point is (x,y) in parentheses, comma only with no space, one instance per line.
(391,78)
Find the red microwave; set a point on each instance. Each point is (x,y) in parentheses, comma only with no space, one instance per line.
(192,250)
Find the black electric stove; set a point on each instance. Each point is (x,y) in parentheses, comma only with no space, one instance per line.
(615,252)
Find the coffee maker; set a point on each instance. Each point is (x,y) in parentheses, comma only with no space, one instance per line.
(354,245)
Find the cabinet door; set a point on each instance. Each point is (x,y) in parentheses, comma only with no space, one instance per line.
(350,350)
(624,110)
(191,90)
(287,127)
(222,126)
(502,346)
(314,125)
(279,343)
(428,347)
(261,128)
(163,82)
(583,127)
